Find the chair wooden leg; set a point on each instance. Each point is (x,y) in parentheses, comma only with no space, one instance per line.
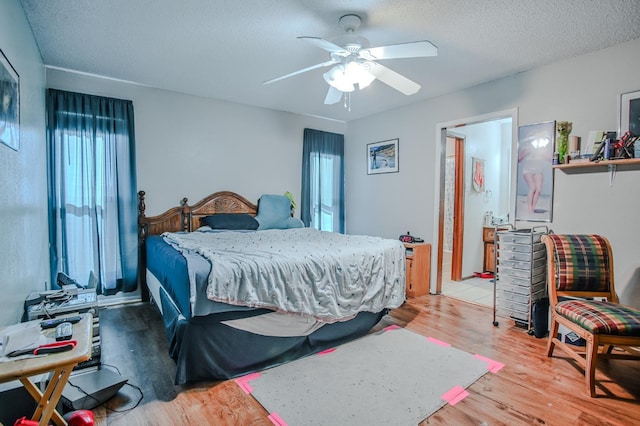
(590,364)
(553,333)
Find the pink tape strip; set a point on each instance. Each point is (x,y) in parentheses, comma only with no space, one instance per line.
(455,395)
(243,382)
(326,351)
(391,327)
(492,366)
(438,342)
(276,419)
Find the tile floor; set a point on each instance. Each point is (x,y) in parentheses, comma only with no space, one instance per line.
(474,290)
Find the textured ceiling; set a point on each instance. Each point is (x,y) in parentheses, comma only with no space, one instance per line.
(225,49)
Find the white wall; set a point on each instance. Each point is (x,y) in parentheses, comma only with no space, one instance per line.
(24,252)
(584,90)
(188,146)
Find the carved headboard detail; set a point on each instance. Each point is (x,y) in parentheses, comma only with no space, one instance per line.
(184,218)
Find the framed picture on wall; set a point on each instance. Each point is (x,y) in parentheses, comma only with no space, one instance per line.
(9,104)
(477,174)
(534,188)
(382,157)
(629,113)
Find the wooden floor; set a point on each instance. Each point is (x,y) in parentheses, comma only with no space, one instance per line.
(530,390)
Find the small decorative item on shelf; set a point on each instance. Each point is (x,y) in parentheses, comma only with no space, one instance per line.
(624,148)
(563,128)
(574,147)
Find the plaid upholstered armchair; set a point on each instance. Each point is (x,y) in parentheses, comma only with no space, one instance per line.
(580,272)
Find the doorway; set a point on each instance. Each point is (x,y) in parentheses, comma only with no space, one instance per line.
(464,200)
(453,208)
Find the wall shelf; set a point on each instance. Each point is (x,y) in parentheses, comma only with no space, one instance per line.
(599,166)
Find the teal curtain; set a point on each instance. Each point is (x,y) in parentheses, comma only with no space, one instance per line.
(92,189)
(322,202)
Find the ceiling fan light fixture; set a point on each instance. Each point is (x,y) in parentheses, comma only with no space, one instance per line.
(358,73)
(338,78)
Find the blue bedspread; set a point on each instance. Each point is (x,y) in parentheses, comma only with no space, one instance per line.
(169,266)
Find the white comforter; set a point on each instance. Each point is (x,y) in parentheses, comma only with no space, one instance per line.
(325,275)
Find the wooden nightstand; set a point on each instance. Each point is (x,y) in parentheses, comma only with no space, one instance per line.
(418,258)
(489,263)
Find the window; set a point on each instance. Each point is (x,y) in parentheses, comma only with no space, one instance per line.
(91,159)
(322,204)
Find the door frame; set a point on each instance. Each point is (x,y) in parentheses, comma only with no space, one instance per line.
(439,168)
(458,205)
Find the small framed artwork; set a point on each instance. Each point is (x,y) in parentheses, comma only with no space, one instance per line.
(382,157)
(477,174)
(629,113)
(9,104)
(534,188)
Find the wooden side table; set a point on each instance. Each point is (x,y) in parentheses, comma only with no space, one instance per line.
(59,364)
(418,258)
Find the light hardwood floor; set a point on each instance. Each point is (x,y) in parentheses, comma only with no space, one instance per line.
(530,390)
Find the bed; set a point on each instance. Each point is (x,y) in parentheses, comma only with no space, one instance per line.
(235,300)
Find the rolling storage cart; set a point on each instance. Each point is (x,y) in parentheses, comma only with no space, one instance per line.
(521,274)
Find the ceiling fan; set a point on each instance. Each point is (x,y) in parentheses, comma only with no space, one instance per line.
(355,63)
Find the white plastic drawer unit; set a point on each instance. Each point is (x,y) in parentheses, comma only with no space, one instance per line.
(521,285)
(520,237)
(521,274)
(525,299)
(505,254)
(518,316)
(506,248)
(521,264)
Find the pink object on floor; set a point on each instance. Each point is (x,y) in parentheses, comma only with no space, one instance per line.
(455,395)
(438,342)
(391,327)
(276,419)
(327,351)
(493,366)
(243,382)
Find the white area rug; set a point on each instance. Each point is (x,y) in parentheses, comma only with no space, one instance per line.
(395,377)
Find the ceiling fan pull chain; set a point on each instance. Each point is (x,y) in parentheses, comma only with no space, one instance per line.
(347,101)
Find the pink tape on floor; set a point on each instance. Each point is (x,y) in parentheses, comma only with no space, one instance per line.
(276,419)
(391,327)
(326,351)
(455,395)
(243,382)
(438,342)
(492,366)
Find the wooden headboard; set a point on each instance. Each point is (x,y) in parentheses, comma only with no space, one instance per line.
(183,218)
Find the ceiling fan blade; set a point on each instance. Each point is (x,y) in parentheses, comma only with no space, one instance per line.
(333,96)
(313,67)
(326,45)
(393,79)
(416,49)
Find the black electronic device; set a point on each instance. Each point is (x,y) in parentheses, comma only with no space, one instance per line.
(63,279)
(64,331)
(54,322)
(88,390)
(408,238)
